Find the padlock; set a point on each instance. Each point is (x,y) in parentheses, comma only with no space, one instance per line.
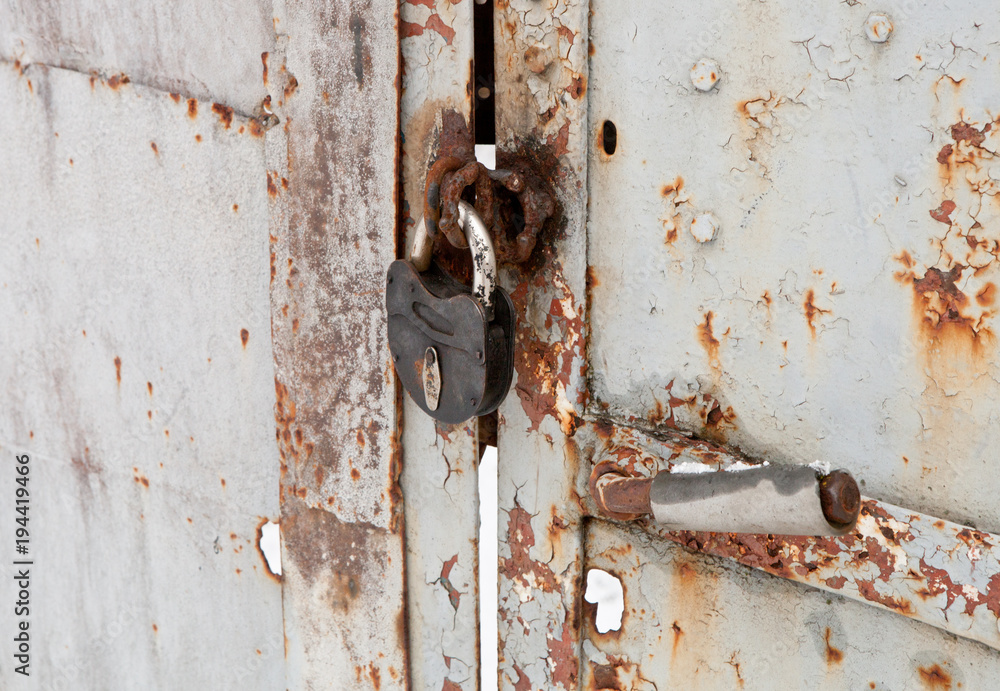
(452,346)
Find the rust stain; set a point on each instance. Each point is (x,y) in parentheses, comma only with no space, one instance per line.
(149,387)
(445,580)
(934,677)
(833,655)
(678,632)
(192,108)
(117,80)
(263,59)
(708,340)
(118,370)
(944,155)
(290,86)
(577,86)
(812,310)
(175,97)
(197,138)
(434,23)
(156,150)
(225,114)
(272,189)
(244,336)
(963,131)
(943,212)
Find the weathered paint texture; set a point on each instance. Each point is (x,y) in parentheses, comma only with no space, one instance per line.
(844,312)
(207,51)
(333,235)
(134,259)
(937,572)
(440,478)
(541,68)
(695,621)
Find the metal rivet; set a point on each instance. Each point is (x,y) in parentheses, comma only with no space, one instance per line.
(878,27)
(704,227)
(705,74)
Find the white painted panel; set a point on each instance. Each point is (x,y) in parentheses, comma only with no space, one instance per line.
(204,50)
(137,372)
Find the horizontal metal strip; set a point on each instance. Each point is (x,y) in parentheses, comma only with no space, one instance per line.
(935,571)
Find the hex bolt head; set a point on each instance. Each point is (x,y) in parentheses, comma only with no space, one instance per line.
(705,74)
(878,27)
(704,227)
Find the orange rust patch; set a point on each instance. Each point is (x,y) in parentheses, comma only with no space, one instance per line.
(577,86)
(176,97)
(678,632)
(256,129)
(192,108)
(117,80)
(263,60)
(812,311)
(934,677)
(676,186)
(244,336)
(833,655)
(943,212)
(225,114)
(149,387)
(156,150)
(118,369)
(197,138)
(291,86)
(945,154)
(708,340)
(963,131)
(272,189)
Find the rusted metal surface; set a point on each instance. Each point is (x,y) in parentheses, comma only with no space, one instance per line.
(924,568)
(439,478)
(514,202)
(787,499)
(137,375)
(844,311)
(212,53)
(334,207)
(807,273)
(693,620)
(541,68)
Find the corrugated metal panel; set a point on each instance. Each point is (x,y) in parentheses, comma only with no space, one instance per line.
(541,68)
(137,368)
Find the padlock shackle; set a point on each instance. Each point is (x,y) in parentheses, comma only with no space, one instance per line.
(484,258)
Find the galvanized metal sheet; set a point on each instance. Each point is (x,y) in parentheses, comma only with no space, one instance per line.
(137,375)
(333,235)
(209,51)
(697,621)
(844,311)
(440,476)
(541,72)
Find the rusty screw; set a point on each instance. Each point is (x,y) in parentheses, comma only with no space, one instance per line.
(878,27)
(840,498)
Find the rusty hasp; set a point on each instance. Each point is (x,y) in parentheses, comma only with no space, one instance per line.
(941,573)
(790,500)
(514,201)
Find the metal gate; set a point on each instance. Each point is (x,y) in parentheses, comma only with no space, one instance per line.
(773,239)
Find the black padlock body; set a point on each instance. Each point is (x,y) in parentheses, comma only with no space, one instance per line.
(475,357)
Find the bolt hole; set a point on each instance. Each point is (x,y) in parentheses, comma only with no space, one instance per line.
(606,592)
(609,137)
(270,546)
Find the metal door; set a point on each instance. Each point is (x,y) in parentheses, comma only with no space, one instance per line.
(776,240)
